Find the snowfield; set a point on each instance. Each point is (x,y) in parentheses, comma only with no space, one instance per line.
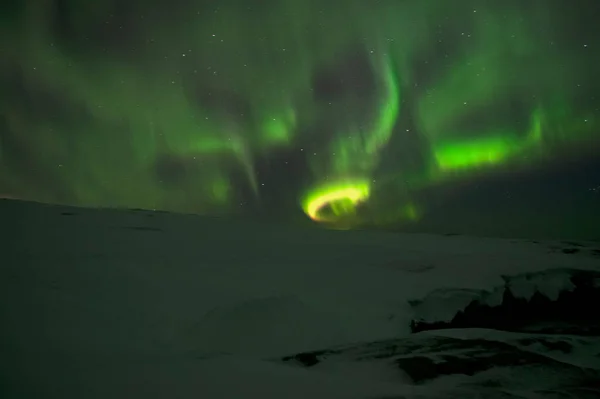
(99,303)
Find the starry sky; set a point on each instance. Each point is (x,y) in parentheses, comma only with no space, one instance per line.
(467,116)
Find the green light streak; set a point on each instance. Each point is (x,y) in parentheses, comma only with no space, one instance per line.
(226,93)
(329,202)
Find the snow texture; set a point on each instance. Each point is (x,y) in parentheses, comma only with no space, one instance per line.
(132,303)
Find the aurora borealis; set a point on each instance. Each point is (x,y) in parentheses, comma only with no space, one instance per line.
(357,113)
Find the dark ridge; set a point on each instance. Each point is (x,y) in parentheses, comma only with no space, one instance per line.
(68,213)
(572,312)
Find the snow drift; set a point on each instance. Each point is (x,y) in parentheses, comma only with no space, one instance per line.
(133,303)
(560,298)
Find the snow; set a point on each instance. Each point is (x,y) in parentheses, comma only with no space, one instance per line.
(153,301)
(585,351)
(442,304)
(549,284)
(480,361)
(226,377)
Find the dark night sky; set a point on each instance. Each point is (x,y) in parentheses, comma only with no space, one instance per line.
(446,116)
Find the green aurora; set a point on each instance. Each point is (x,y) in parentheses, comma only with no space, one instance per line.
(189,105)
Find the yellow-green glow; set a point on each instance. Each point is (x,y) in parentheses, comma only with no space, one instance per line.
(411,211)
(488,149)
(279,129)
(388,111)
(236,107)
(220,189)
(341,198)
(475,153)
(357,148)
(358,152)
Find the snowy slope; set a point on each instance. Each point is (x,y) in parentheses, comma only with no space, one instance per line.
(469,363)
(109,303)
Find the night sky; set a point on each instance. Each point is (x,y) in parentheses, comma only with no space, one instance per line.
(470,116)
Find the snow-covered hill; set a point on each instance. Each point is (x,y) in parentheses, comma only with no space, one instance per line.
(133,303)
(470,363)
